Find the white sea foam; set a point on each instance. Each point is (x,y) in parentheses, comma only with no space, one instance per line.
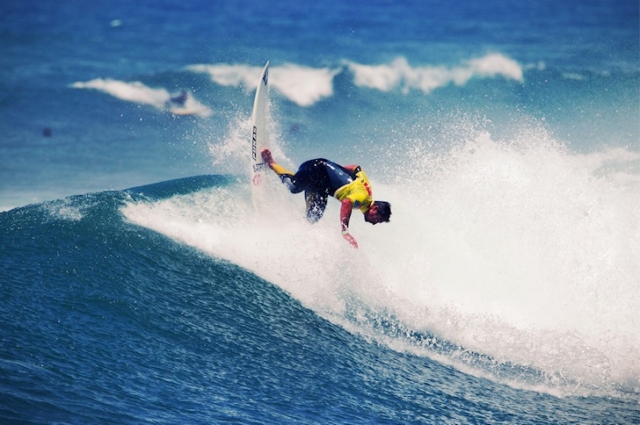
(130,91)
(64,209)
(305,85)
(139,93)
(230,75)
(300,84)
(399,74)
(523,251)
(519,250)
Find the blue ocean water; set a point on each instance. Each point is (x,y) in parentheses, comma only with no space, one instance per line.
(138,283)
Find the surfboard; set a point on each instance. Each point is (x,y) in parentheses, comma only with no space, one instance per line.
(184,104)
(184,111)
(260,130)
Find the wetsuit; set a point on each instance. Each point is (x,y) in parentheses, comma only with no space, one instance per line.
(320,178)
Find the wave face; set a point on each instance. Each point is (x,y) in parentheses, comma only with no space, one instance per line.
(504,250)
(176,302)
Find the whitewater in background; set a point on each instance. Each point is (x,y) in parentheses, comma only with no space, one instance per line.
(520,255)
(306,86)
(137,92)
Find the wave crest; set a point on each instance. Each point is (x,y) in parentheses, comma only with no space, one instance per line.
(137,92)
(300,84)
(400,74)
(305,85)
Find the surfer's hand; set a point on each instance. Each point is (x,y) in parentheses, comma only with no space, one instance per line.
(266,156)
(350,239)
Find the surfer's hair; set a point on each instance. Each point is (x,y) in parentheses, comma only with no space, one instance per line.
(384,210)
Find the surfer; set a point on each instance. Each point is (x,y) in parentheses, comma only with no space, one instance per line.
(180,99)
(320,178)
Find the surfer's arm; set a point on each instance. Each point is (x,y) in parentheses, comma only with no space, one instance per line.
(345,216)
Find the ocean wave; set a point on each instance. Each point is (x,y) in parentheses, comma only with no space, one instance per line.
(521,243)
(399,74)
(137,92)
(300,84)
(305,85)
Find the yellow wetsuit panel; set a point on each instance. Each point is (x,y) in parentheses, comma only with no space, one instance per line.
(358,192)
(280,170)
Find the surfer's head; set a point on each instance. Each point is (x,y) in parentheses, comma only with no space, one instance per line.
(379,212)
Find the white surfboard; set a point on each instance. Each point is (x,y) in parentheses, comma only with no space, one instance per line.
(260,131)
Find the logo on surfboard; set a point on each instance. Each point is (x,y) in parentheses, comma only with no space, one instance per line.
(254,142)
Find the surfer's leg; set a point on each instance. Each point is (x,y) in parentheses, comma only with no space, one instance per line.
(316,204)
(310,173)
(311,176)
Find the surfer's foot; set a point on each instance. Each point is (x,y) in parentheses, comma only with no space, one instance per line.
(266,156)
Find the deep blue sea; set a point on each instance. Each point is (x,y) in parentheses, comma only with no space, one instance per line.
(139,283)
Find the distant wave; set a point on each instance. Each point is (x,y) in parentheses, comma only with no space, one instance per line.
(399,74)
(300,84)
(137,92)
(305,85)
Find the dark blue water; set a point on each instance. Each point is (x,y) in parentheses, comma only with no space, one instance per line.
(505,289)
(109,322)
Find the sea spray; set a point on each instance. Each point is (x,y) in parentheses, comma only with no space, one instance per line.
(522,250)
(519,257)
